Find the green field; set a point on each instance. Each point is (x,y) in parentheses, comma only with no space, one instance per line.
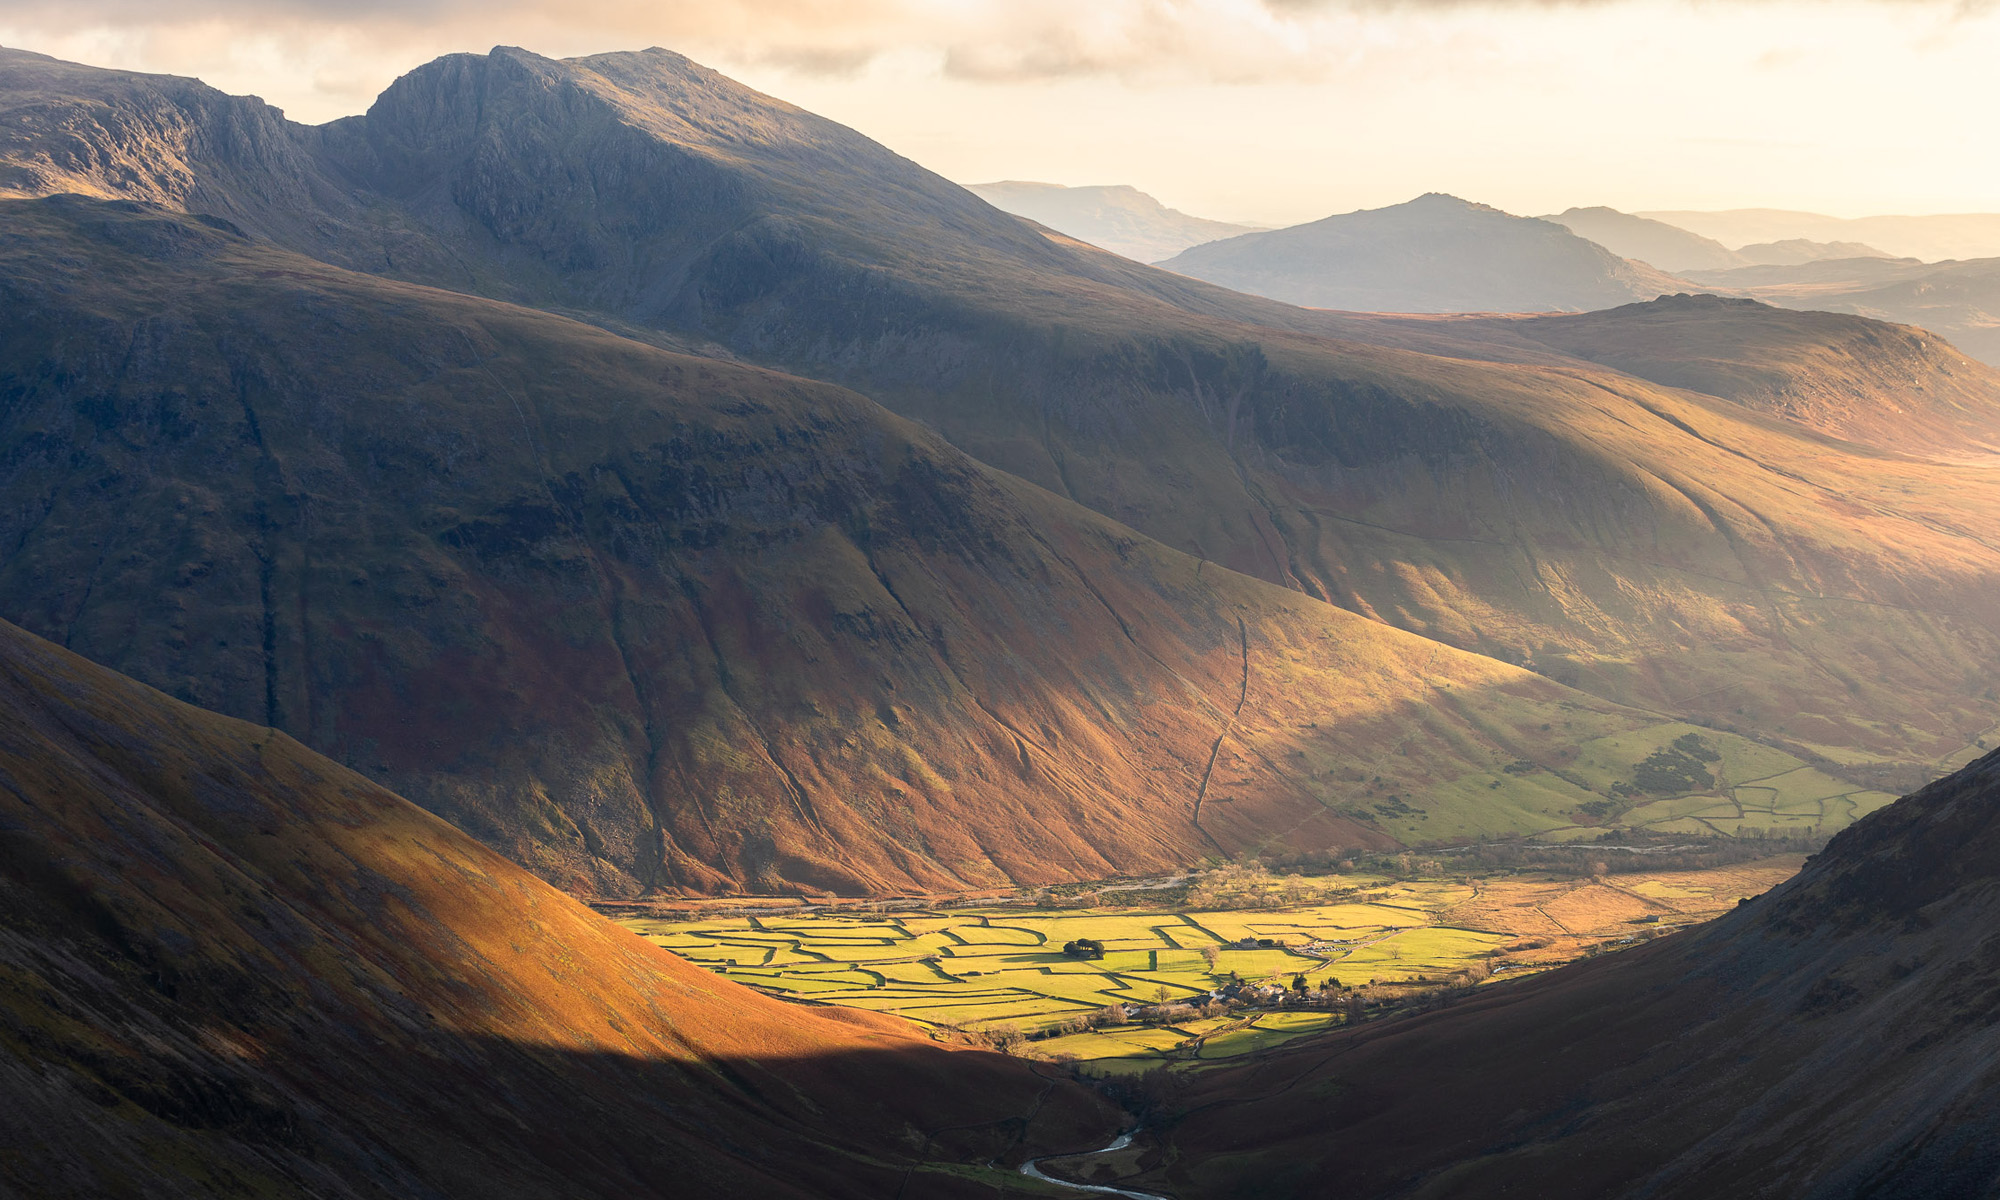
(978,969)
(1757,791)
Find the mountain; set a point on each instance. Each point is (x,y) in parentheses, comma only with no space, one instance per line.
(645,620)
(1434,254)
(1824,372)
(1793,252)
(1120,218)
(1658,548)
(1657,243)
(1959,300)
(1931,238)
(232,968)
(1834,1037)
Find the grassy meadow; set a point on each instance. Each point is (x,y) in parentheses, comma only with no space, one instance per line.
(1004,967)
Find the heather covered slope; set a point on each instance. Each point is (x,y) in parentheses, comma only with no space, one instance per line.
(1436,253)
(1656,547)
(650,621)
(229,967)
(1836,1037)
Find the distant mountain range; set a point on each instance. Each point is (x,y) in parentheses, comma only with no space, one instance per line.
(1436,253)
(1931,238)
(1674,249)
(1121,219)
(1665,246)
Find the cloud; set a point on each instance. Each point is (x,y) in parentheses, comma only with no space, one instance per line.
(342,50)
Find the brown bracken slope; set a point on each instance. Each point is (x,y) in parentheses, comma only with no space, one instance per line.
(1837,1037)
(229,967)
(644,620)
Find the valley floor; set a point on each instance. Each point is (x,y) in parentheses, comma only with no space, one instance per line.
(1183,983)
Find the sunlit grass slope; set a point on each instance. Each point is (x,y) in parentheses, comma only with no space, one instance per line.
(230,967)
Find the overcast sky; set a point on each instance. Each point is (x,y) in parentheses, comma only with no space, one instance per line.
(1270,110)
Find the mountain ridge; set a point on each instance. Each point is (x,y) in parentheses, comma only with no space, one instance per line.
(1663,549)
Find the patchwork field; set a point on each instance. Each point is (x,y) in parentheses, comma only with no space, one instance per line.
(1005,966)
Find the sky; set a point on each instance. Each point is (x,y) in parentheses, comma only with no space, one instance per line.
(1270,111)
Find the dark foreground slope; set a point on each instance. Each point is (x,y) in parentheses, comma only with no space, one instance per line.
(1657,547)
(229,967)
(1837,1037)
(651,621)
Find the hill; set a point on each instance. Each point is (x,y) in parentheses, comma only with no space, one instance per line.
(1657,243)
(1833,1037)
(1120,218)
(1958,300)
(651,621)
(1655,547)
(1792,252)
(232,968)
(1824,372)
(1434,254)
(1930,238)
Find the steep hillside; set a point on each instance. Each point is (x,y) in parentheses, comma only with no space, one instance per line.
(1434,254)
(1650,545)
(1881,385)
(1656,243)
(644,620)
(1120,218)
(229,967)
(1833,1038)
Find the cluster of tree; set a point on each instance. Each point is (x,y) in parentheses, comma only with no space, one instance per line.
(1084,948)
(1681,766)
(1249,884)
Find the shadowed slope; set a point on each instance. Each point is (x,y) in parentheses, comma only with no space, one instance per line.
(1836,1037)
(229,967)
(645,620)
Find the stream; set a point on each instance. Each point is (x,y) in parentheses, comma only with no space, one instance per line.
(1033,1170)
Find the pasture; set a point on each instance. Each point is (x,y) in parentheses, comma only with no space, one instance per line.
(978,968)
